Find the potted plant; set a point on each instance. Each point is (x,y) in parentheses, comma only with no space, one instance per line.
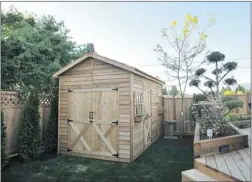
(139,118)
(160,112)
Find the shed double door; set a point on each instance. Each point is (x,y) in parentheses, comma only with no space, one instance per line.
(93,121)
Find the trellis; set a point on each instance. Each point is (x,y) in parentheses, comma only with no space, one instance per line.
(10,99)
(14,99)
(11,105)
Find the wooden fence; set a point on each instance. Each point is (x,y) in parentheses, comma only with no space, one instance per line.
(11,105)
(246,98)
(172,109)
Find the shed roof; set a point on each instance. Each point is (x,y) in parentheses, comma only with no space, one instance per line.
(109,61)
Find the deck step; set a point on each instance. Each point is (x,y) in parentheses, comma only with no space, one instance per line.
(195,175)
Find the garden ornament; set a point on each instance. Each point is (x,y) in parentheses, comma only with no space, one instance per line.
(209,133)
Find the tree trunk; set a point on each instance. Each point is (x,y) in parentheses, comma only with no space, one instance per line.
(182,116)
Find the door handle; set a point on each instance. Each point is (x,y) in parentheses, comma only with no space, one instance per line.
(91,115)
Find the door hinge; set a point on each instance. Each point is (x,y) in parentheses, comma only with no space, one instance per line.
(69,120)
(116,155)
(116,89)
(69,150)
(91,115)
(115,122)
(91,121)
(70,90)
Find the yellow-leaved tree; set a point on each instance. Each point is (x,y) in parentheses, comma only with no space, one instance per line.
(186,43)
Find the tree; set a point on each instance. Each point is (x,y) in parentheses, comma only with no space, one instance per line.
(185,47)
(164,91)
(30,143)
(33,48)
(240,88)
(52,129)
(174,91)
(220,72)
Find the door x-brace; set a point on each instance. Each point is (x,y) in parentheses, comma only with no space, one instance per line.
(98,131)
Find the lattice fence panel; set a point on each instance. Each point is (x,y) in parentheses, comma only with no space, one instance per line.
(13,99)
(45,101)
(10,99)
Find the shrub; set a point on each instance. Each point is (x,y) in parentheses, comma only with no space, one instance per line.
(30,144)
(231,103)
(4,161)
(199,97)
(52,129)
(237,117)
(228,92)
(196,98)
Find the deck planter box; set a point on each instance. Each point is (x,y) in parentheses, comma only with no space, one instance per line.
(218,145)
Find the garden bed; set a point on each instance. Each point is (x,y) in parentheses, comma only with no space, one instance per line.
(221,144)
(228,131)
(242,124)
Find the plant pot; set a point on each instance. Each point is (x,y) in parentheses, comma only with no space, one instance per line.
(160,112)
(138,119)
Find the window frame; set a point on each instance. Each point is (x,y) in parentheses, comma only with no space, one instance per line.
(139,103)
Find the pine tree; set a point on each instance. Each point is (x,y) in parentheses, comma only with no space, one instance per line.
(30,144)
(164,91)
(240,88)
(174,91)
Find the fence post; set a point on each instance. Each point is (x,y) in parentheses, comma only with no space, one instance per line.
(174,108)
(247,101)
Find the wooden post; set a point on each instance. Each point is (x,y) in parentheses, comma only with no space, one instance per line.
(174,108)
(247,101)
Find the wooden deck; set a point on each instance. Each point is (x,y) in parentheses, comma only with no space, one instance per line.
(235,164)
(231,166)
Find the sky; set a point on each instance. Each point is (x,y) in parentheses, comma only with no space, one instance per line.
(129,31)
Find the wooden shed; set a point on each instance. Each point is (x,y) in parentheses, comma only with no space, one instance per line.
(107,110)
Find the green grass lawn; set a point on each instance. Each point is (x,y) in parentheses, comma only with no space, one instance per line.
(163,161)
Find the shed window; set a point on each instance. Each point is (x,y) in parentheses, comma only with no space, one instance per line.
(139,103)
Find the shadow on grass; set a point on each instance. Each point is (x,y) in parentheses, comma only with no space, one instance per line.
(163,161)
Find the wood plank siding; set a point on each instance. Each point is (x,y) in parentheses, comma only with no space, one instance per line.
(140,85)
(92,73)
